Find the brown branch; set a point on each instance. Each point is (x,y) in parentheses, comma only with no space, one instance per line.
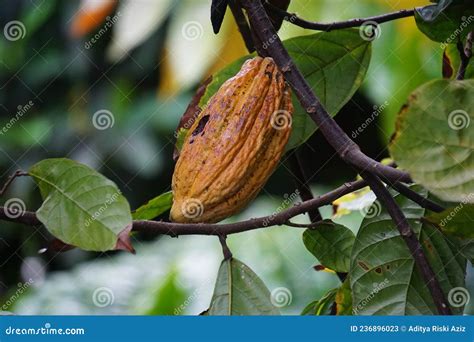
(242,24)
(344,146)
(416,197)
(416,250)
(337,138)
(465,52)
(302,184)
(225,249)
(310,25)
(10,179)
(175,229)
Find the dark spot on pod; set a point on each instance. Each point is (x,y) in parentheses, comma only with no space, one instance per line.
(200,127)
(268,74)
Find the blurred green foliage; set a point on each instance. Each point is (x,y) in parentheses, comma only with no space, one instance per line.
(68,83)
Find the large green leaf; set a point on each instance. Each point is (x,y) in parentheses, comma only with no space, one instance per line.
(447,21)
(434,139)
(331,243)
(80,206)
(333,63)
(384,277)
(154,207)
(239,291)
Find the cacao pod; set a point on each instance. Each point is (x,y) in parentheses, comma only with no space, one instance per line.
(234,145)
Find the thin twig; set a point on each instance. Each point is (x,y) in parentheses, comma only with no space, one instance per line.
(177,229)
(465,52)
(345,147)
(225,249)
(310,25)
(337,138)
(10,179)
(302,184)
(416,250)
(416,197)
(242,24)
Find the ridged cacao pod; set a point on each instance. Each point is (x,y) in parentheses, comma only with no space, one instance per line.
(234,145)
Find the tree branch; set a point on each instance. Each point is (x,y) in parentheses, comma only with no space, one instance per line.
(337,138)
(302,185)
(310,25)
(411,241)
(242,24)
(175,229)
(344,146)
(10,179)
(416,197)
(465,52)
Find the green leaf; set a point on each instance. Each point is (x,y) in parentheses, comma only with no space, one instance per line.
(384,277)
(80,206)
(154,207)
(333,63)
(451,55)
(239,291)
(457,221)
(447,21)
(321,307)
(434,139)
(344,299)
(170,297)
(331,244)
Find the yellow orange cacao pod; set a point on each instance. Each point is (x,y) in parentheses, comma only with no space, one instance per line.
(234,145)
